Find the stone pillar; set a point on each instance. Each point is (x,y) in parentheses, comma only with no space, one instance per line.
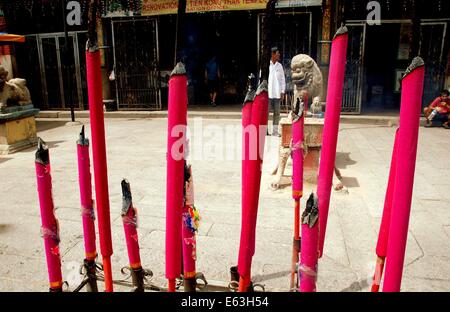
(103,55)
(325,43)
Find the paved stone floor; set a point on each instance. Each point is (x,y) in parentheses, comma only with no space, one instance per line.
(136,150)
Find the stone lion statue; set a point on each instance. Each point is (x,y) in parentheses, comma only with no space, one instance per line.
(307,80)
(13,91)
(306,76)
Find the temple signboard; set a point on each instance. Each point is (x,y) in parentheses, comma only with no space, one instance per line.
(161,7)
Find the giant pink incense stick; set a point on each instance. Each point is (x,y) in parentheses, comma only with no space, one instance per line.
(298,123)
(383,235)
(176,139)
(310,246)
(50,226)
(331,127)
(94,80)
(259,120)
(129,219)
(248,135)
(87,204)
(259,117)
(87,214)
(410,108)
(130,224)
(95,99)
(190,227)
(251,187)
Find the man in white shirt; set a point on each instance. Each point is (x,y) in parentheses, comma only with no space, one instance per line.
(277,87)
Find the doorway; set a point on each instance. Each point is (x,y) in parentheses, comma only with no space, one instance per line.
(292,34)
(230,37)
(136,64)
(378,57)
(432,51)
(386,59)
(53,80)
(353,82)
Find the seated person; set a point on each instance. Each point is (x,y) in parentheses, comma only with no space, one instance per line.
(439,110)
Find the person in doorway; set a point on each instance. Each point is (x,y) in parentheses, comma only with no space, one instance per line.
(212,76)
(277,87)
(439,110)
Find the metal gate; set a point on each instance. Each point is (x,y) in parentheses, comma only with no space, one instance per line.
(54,82)
(432,52)
(292,34)
(136,69)
(353,83)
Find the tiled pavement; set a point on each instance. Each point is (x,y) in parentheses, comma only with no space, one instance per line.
(136,150)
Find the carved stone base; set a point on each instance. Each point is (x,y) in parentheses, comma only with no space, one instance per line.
(313,139)
(17,129)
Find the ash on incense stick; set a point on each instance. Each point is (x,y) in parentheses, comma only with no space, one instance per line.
(311,213)
(83,141)
(42,155)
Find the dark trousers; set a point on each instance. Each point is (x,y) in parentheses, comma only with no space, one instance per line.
(274,105)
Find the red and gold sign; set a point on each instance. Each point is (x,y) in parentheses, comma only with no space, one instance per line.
(159,7)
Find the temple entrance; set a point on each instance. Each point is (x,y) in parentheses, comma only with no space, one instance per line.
(230,37)
(373,75)
(292,34)
(234,38)
(386,58)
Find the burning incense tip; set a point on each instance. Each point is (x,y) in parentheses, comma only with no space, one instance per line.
(250,96)
(178,70)
(298,110)
(416,63)
(341,31)
(41,144)
(311,213)
(42,155)
(82,139)
(126,197)
(263,86)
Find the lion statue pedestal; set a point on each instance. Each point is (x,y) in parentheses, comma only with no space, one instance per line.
(17,115)
(313,142)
